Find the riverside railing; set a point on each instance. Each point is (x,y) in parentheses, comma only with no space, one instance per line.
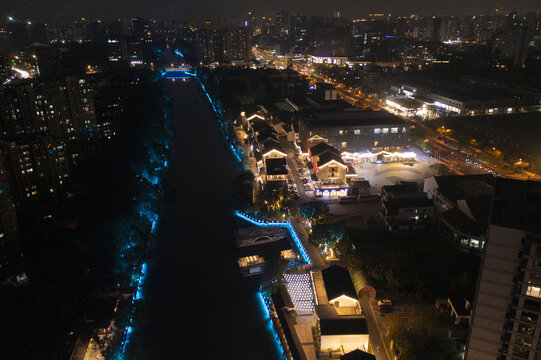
(284,224)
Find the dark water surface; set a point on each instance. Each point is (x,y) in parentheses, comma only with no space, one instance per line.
(197,305)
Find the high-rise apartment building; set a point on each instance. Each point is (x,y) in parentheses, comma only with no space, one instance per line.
(506,320)
(432,28)
(238,43)
(36,168)
(125,50)
(298,28)
(45,126)
(5,69)
(204,44)
(281,21)
(10,250)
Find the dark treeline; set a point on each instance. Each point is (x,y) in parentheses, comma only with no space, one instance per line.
(92,244)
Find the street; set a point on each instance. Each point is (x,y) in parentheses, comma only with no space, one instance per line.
(376,334)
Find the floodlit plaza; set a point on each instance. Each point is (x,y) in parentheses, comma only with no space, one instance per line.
(392,173)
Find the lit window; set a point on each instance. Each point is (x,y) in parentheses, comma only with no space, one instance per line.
(533,291)
(357,132)
(385,130)
(377,131)
(394,130)
(344,144)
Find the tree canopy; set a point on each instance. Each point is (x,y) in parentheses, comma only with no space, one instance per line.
(315,211)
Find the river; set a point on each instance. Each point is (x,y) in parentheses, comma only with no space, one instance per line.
(197,306)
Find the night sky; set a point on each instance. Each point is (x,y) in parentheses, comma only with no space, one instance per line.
(51,10)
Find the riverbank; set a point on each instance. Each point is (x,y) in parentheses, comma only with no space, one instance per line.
(196,303)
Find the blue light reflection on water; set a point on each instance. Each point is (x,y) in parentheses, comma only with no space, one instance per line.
(265,308)
(265,301)
(138,296)
(216,107)
(146,210)
(153,218)
(139,293)
(238,156)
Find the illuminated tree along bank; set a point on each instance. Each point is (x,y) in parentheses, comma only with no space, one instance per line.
(136,233)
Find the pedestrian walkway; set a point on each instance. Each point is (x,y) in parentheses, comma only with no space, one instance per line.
(313,252)
(376,335)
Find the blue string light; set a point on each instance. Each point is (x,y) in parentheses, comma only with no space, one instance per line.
(284,224)
(265,304)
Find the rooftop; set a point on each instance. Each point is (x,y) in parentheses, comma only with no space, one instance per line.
(345,325)
(285,106)
(319,288)
(474,191)
(357,355)
(458,187)
(394,206)
(404,188)
(321,148)
(457,220)
(406,103)
(276,166)
(272,145)
(517,205)
(338,282)
(327,157)
(352,118)
(445,89)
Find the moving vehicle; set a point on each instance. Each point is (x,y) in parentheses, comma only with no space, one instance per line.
(385,306)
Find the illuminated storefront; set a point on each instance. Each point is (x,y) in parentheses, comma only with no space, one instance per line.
(379,157)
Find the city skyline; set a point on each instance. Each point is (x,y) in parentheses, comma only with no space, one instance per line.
(61,10)
(317,181)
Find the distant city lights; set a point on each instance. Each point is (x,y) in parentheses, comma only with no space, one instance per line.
(22,73)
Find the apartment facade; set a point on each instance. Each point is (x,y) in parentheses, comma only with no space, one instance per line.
(506,320)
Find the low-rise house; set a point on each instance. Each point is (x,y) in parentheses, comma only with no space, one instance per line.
(272,149)
(399,191)
(407,214)
(267,151)
(276,169)
(464,204)
(359,187)
(357,355)
(405,207)
(340,333)
(329,169)
(252,113)
(339,321)
(339,288)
